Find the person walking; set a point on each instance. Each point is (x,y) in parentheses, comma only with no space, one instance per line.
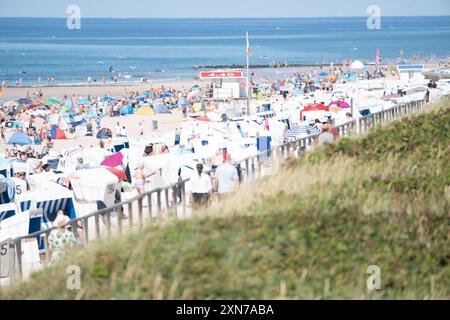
(118,129)
(227,177)
(141,128)
(201,187)
(60,240)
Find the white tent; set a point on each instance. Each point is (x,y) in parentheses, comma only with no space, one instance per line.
(357,65)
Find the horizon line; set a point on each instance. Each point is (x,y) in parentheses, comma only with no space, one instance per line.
(223,18)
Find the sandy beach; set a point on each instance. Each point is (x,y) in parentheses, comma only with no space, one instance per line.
(118,89)
(94,90)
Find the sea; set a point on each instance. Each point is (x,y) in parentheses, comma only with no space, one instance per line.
(32,49)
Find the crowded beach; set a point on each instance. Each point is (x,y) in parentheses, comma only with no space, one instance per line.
(66,156)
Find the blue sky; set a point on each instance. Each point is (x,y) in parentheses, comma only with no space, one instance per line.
(222,8)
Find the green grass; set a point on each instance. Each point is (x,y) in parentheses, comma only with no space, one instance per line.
(309,232)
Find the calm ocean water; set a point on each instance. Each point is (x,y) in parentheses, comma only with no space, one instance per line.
(165,48)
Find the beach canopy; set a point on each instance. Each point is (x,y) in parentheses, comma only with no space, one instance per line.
(314,107)
(146,111)
(57,133)
(20,138)
(104,133)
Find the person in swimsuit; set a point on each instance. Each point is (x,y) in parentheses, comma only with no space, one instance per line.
(140,178)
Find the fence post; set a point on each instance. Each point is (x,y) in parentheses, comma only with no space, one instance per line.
(259,166)
(108,222)
(158,194)
(183,198)
(97,226)
(166,200)
(119,218)
(149,203)
(247,168)
(18,246)
(140,212)
(86,230)
(253,168)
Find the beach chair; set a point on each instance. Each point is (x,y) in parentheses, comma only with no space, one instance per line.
(7,211)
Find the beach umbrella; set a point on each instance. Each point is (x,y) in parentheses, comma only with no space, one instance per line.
(340,103)
(113,161)
(120,174)
(10,104)
(335,109)
(104,133)
(201,118)
(51,102)
(20,138)
(24,101)
(331,77)
(57,133)
(38,102)
(82,101)
(165,95)
(126,110)
(107,99)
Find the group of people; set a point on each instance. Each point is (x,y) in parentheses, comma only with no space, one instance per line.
(222,180)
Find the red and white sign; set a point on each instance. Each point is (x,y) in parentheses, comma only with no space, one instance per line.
(221,74)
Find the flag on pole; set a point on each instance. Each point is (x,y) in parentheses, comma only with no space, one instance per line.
(249,51)
(378,57)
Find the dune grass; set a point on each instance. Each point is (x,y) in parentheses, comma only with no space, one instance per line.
(309,232)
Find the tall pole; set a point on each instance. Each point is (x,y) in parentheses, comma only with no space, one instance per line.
(248,75)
